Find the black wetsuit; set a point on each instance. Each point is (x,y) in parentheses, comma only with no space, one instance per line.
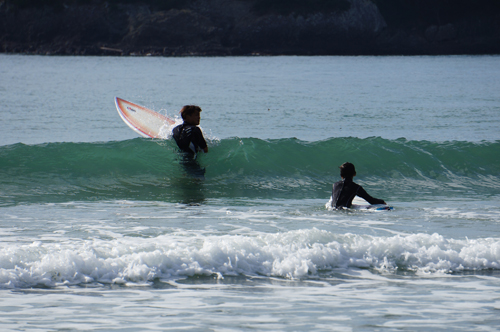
(189,138)
(344,191)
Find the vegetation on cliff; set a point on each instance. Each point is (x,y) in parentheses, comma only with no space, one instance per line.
(408,13)
(259,6)
(233,27)
(401,12)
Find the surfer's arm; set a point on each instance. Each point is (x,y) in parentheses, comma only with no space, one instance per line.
(364,195)
(199,140)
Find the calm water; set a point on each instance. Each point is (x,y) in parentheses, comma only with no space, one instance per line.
(101,230)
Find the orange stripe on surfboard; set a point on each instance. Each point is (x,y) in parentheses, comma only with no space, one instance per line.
(142,120)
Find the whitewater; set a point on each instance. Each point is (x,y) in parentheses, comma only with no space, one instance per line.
(102,230)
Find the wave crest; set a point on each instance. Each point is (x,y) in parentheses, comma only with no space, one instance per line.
(246,167)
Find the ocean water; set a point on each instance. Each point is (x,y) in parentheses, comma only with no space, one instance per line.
(101,230)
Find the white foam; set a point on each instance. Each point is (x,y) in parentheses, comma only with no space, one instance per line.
(293,254)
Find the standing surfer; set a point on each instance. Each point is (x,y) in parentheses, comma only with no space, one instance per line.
(344,191)
(188,135)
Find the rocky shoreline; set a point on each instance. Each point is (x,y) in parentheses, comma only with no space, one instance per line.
(232,27)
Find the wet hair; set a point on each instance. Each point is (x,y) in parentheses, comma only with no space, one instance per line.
(188,110)
(347,170)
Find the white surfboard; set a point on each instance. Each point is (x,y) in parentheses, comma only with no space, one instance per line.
(374,207)
(144,121)
(361,204)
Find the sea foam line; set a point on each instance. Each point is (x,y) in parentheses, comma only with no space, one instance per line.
(294,254)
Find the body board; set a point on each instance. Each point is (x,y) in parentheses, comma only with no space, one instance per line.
(144,121)
(361,204)
(374,207)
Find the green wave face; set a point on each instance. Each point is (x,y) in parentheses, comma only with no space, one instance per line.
(145,169)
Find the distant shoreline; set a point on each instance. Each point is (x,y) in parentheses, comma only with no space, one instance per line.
(237,28)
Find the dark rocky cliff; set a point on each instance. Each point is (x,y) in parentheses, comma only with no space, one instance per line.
(241,27)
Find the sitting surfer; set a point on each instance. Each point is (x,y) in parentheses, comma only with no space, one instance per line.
(344,191)
(188,135)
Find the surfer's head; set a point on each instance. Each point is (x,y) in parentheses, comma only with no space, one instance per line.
(191,114)
(347,171)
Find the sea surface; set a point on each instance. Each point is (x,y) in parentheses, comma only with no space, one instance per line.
(102,230)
